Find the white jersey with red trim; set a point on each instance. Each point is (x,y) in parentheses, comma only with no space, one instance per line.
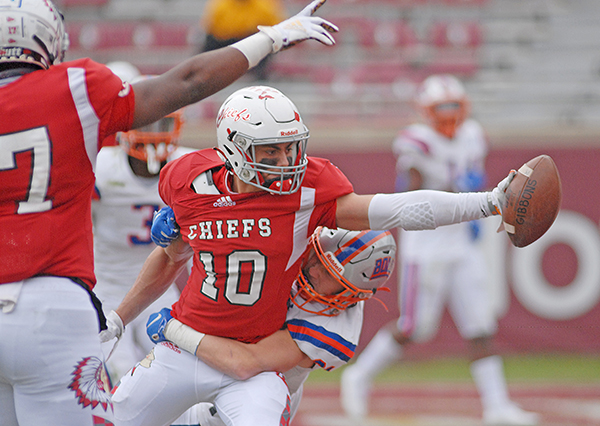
(123,208)
(329,341)
(445,265)
(47,158)
(122,211)
(444,164)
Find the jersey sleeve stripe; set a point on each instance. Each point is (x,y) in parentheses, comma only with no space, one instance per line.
(301,221)
(411,141)
(87,116)
(321,338)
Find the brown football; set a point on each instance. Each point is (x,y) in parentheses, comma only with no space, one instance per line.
(532,201)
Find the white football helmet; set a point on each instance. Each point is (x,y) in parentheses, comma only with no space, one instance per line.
(361,261)
(262,115)
(443,101)
(32,32)
(124,70)
(154,142)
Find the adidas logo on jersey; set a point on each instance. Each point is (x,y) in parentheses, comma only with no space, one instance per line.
(224,202)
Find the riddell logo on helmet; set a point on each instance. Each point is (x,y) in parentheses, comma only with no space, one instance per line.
(334,262)
(290,132)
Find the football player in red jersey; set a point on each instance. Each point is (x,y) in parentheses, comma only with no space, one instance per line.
(55,116)
(246,211)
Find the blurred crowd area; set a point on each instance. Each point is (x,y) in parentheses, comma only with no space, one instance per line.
(532,68)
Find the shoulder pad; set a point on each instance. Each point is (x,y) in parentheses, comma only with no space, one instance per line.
(204,184)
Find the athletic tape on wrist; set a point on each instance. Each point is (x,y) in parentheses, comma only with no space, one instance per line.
(255,48)
(183,336)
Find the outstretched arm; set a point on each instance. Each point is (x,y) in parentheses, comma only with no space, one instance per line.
(418,210)
(209,72)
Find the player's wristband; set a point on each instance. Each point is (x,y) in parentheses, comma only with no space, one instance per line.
(255,48)
(183,336)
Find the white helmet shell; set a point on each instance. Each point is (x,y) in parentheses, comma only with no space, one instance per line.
(361,261)
(261,115)
(32,32)
(364,260)
(124,70)
(440,88)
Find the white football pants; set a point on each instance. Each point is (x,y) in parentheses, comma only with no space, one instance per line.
(51,363)
(169,381)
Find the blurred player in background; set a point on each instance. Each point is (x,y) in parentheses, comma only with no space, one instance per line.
(447,152)
(340,272)
(225,22)
(55,117)
(125,201)
(252,202)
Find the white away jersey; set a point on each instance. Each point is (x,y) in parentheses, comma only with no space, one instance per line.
(122,219)
(329,341)
(442,162)
(444,165)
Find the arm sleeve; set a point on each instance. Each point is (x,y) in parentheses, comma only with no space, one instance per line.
(427,209)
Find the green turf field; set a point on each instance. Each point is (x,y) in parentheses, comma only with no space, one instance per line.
(540,368)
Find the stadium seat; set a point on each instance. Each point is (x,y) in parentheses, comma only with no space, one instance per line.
(77,3)
(133,34)
(456,34)
(388,34)
(378,72)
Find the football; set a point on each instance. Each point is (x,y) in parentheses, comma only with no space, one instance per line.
(532,201)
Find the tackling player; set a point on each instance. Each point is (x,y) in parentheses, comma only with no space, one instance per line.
(55,117)
(246,211)
(446,152)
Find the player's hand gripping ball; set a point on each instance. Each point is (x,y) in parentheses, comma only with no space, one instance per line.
(532,201)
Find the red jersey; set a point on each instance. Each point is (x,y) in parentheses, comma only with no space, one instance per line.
(53,122)
(247,247)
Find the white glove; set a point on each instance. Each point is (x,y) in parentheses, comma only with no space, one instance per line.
(302,26)
(497,196)
(115,327)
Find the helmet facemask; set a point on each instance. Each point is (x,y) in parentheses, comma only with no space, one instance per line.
(282,179)
(446,117)
(358,263)
(155,142)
